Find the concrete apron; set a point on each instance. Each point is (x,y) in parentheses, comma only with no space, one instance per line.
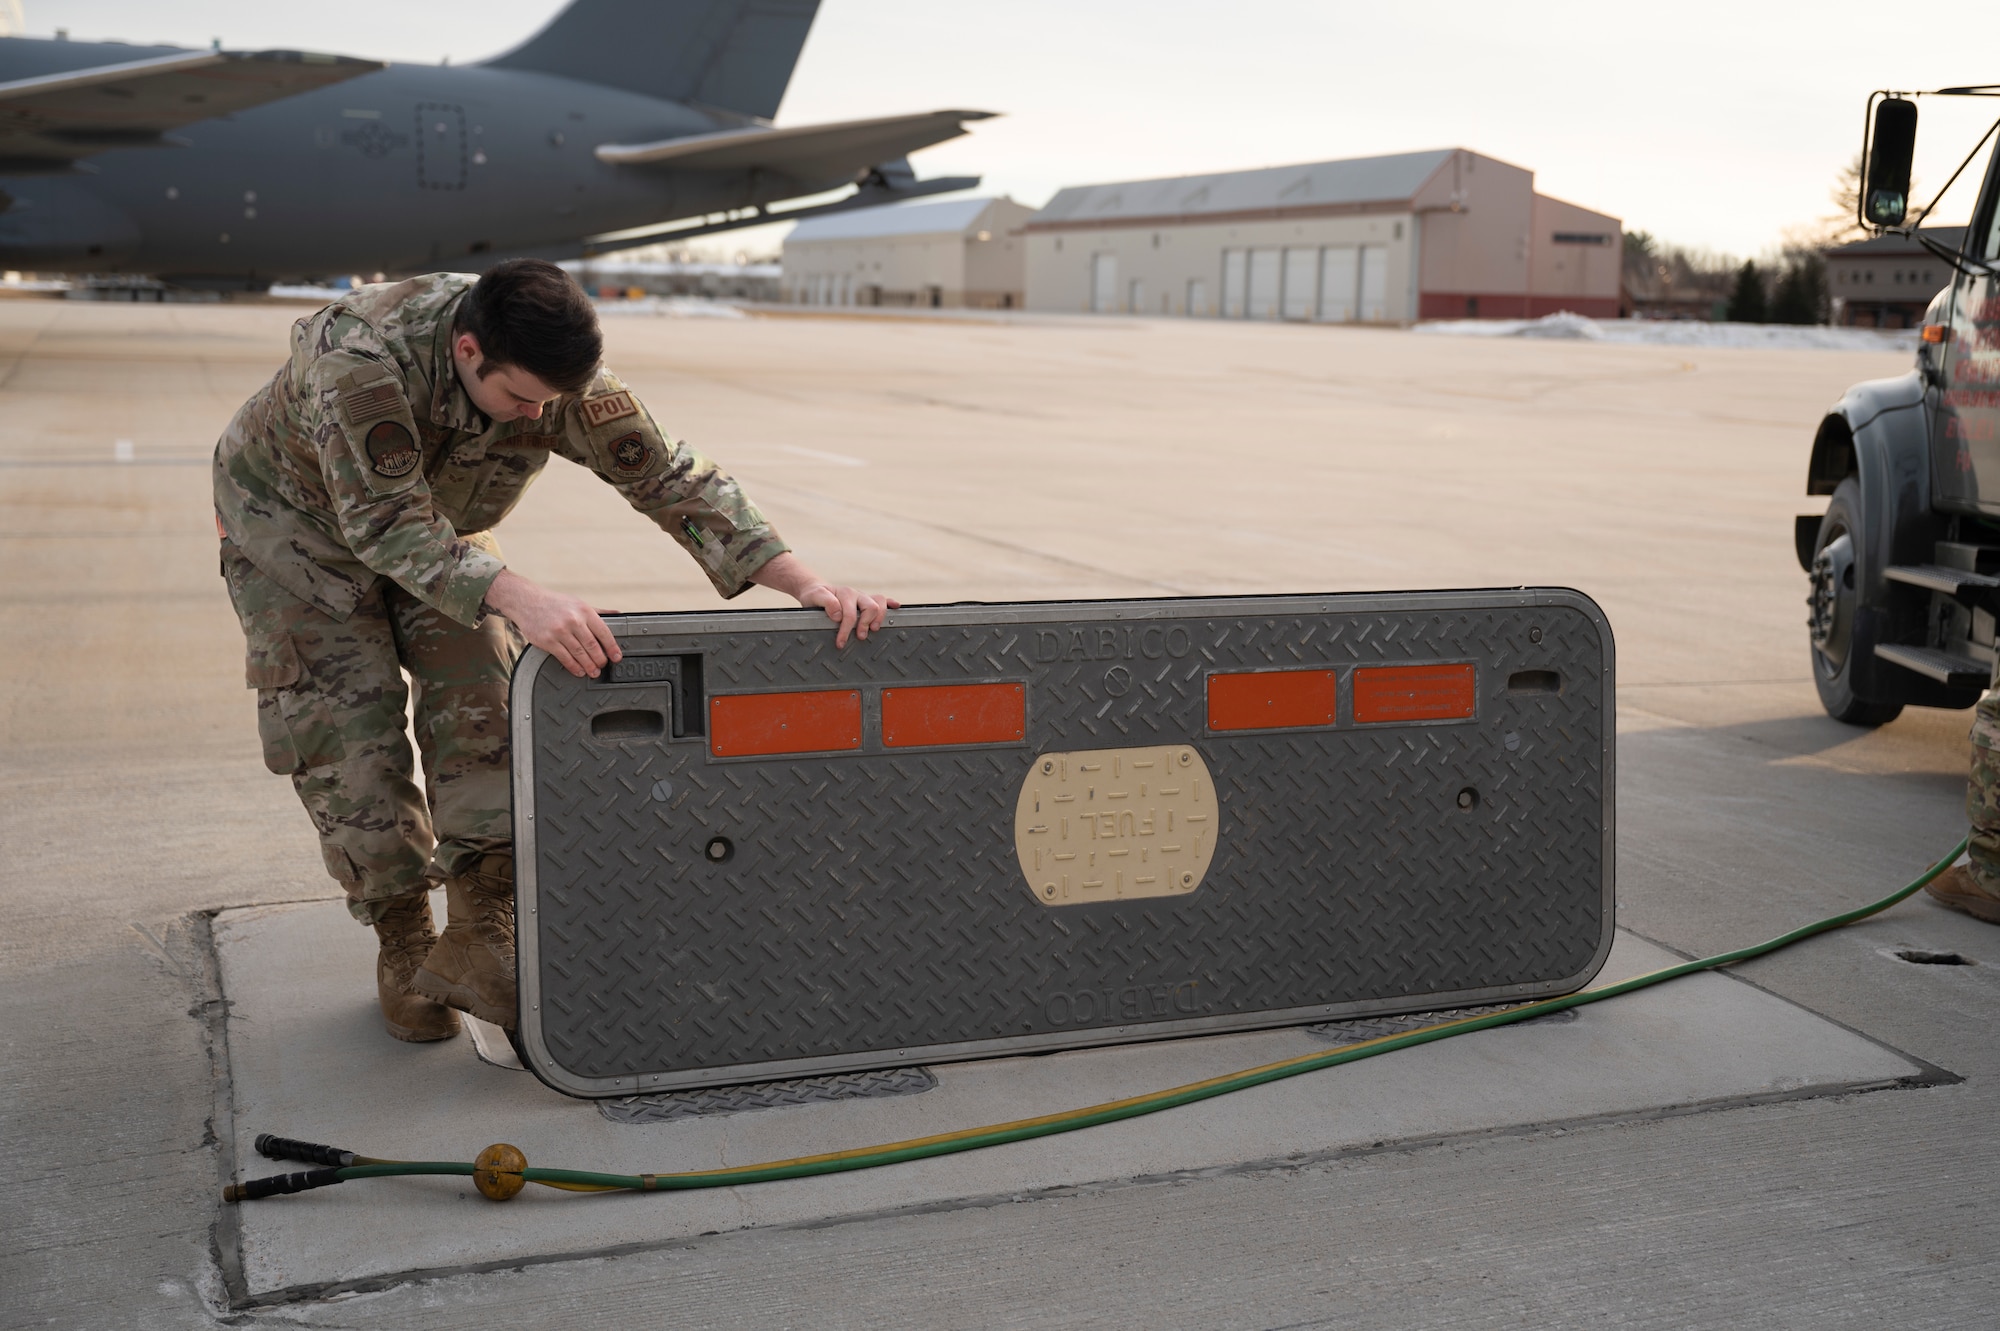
(307,1058)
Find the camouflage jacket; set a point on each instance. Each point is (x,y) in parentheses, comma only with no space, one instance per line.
(365,458)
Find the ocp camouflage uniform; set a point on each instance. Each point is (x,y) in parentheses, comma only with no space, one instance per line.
(354,493)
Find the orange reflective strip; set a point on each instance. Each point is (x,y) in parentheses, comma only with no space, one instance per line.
(746,725)
(953,714)
(1269,699)
(1413,693)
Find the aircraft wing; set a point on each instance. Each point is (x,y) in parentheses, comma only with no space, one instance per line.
(838,149)
(49,121)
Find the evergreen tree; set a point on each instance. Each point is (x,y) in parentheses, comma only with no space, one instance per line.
(1801,294)
(1746,302)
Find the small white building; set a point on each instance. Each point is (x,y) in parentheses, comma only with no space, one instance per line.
(961,252)
(1446,234)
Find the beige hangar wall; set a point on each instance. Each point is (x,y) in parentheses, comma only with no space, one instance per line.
(1330,269)
(836,272)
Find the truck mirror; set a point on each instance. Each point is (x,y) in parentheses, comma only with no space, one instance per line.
(1885,191)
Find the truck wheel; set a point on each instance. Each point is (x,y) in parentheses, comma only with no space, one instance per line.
(1833,599)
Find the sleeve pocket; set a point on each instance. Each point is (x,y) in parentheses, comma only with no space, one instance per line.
(726,499)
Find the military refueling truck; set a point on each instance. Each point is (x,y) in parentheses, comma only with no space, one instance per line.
(1905,563)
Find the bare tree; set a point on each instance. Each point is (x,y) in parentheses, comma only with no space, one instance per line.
(1842,225)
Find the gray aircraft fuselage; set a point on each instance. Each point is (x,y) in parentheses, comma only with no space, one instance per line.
(412,167)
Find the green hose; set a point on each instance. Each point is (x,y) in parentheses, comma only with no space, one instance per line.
(501,1170)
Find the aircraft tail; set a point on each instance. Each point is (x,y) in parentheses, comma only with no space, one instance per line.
(733,55)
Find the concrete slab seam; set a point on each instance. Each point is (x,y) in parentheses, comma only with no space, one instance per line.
(211,1006)
(323,1290)
(225,1235)
(1933,1074)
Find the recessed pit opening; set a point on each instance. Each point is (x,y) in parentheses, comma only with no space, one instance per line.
(1534,681)
(1918,956)
(719,850)
(628,723)
(1468,798)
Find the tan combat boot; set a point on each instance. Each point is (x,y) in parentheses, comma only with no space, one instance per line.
(1958,889)
(472,966)
(406,936)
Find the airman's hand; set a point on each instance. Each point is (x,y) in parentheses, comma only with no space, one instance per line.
(859,613)
(568,629)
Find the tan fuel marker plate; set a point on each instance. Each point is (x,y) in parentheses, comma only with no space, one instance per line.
(1115,824)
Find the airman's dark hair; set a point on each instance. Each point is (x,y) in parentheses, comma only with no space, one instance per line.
(531,314)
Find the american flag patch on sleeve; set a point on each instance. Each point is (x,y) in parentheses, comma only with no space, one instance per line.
(367,402)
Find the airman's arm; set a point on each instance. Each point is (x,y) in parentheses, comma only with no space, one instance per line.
(696,503)
(691,499)
(357,411)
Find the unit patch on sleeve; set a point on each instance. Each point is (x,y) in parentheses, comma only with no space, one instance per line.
(607,408)
(631,455)
(392,452)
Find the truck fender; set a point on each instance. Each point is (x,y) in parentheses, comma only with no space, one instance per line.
(1880,432)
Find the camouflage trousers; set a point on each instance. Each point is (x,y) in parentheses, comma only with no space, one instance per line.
(1982,791)
(333,714)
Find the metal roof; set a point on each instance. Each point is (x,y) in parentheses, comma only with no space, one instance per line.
(1394,178)
(1886,246)
(896,219)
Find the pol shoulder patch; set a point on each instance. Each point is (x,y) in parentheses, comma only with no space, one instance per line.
(608,407)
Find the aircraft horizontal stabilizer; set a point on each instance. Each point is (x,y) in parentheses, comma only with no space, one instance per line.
(882,184)
(50,121)
(807,152)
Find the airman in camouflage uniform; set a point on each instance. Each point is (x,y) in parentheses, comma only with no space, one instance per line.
(354,496)
(1974,887)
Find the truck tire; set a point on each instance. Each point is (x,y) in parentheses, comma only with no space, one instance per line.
(1834,600)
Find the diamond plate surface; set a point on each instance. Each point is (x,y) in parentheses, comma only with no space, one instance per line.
(873,906)
(769,1095)
(1363,1029)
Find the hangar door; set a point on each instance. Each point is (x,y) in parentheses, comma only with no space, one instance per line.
(1301,282)
(1374,283)
(1265,268)
(1337,277)
(1104,284)
(1235,279)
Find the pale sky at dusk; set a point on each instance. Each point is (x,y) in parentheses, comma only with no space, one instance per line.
(1709,124)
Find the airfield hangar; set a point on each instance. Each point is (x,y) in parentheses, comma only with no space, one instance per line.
(1446,234)
(962,252)
(1888,281)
